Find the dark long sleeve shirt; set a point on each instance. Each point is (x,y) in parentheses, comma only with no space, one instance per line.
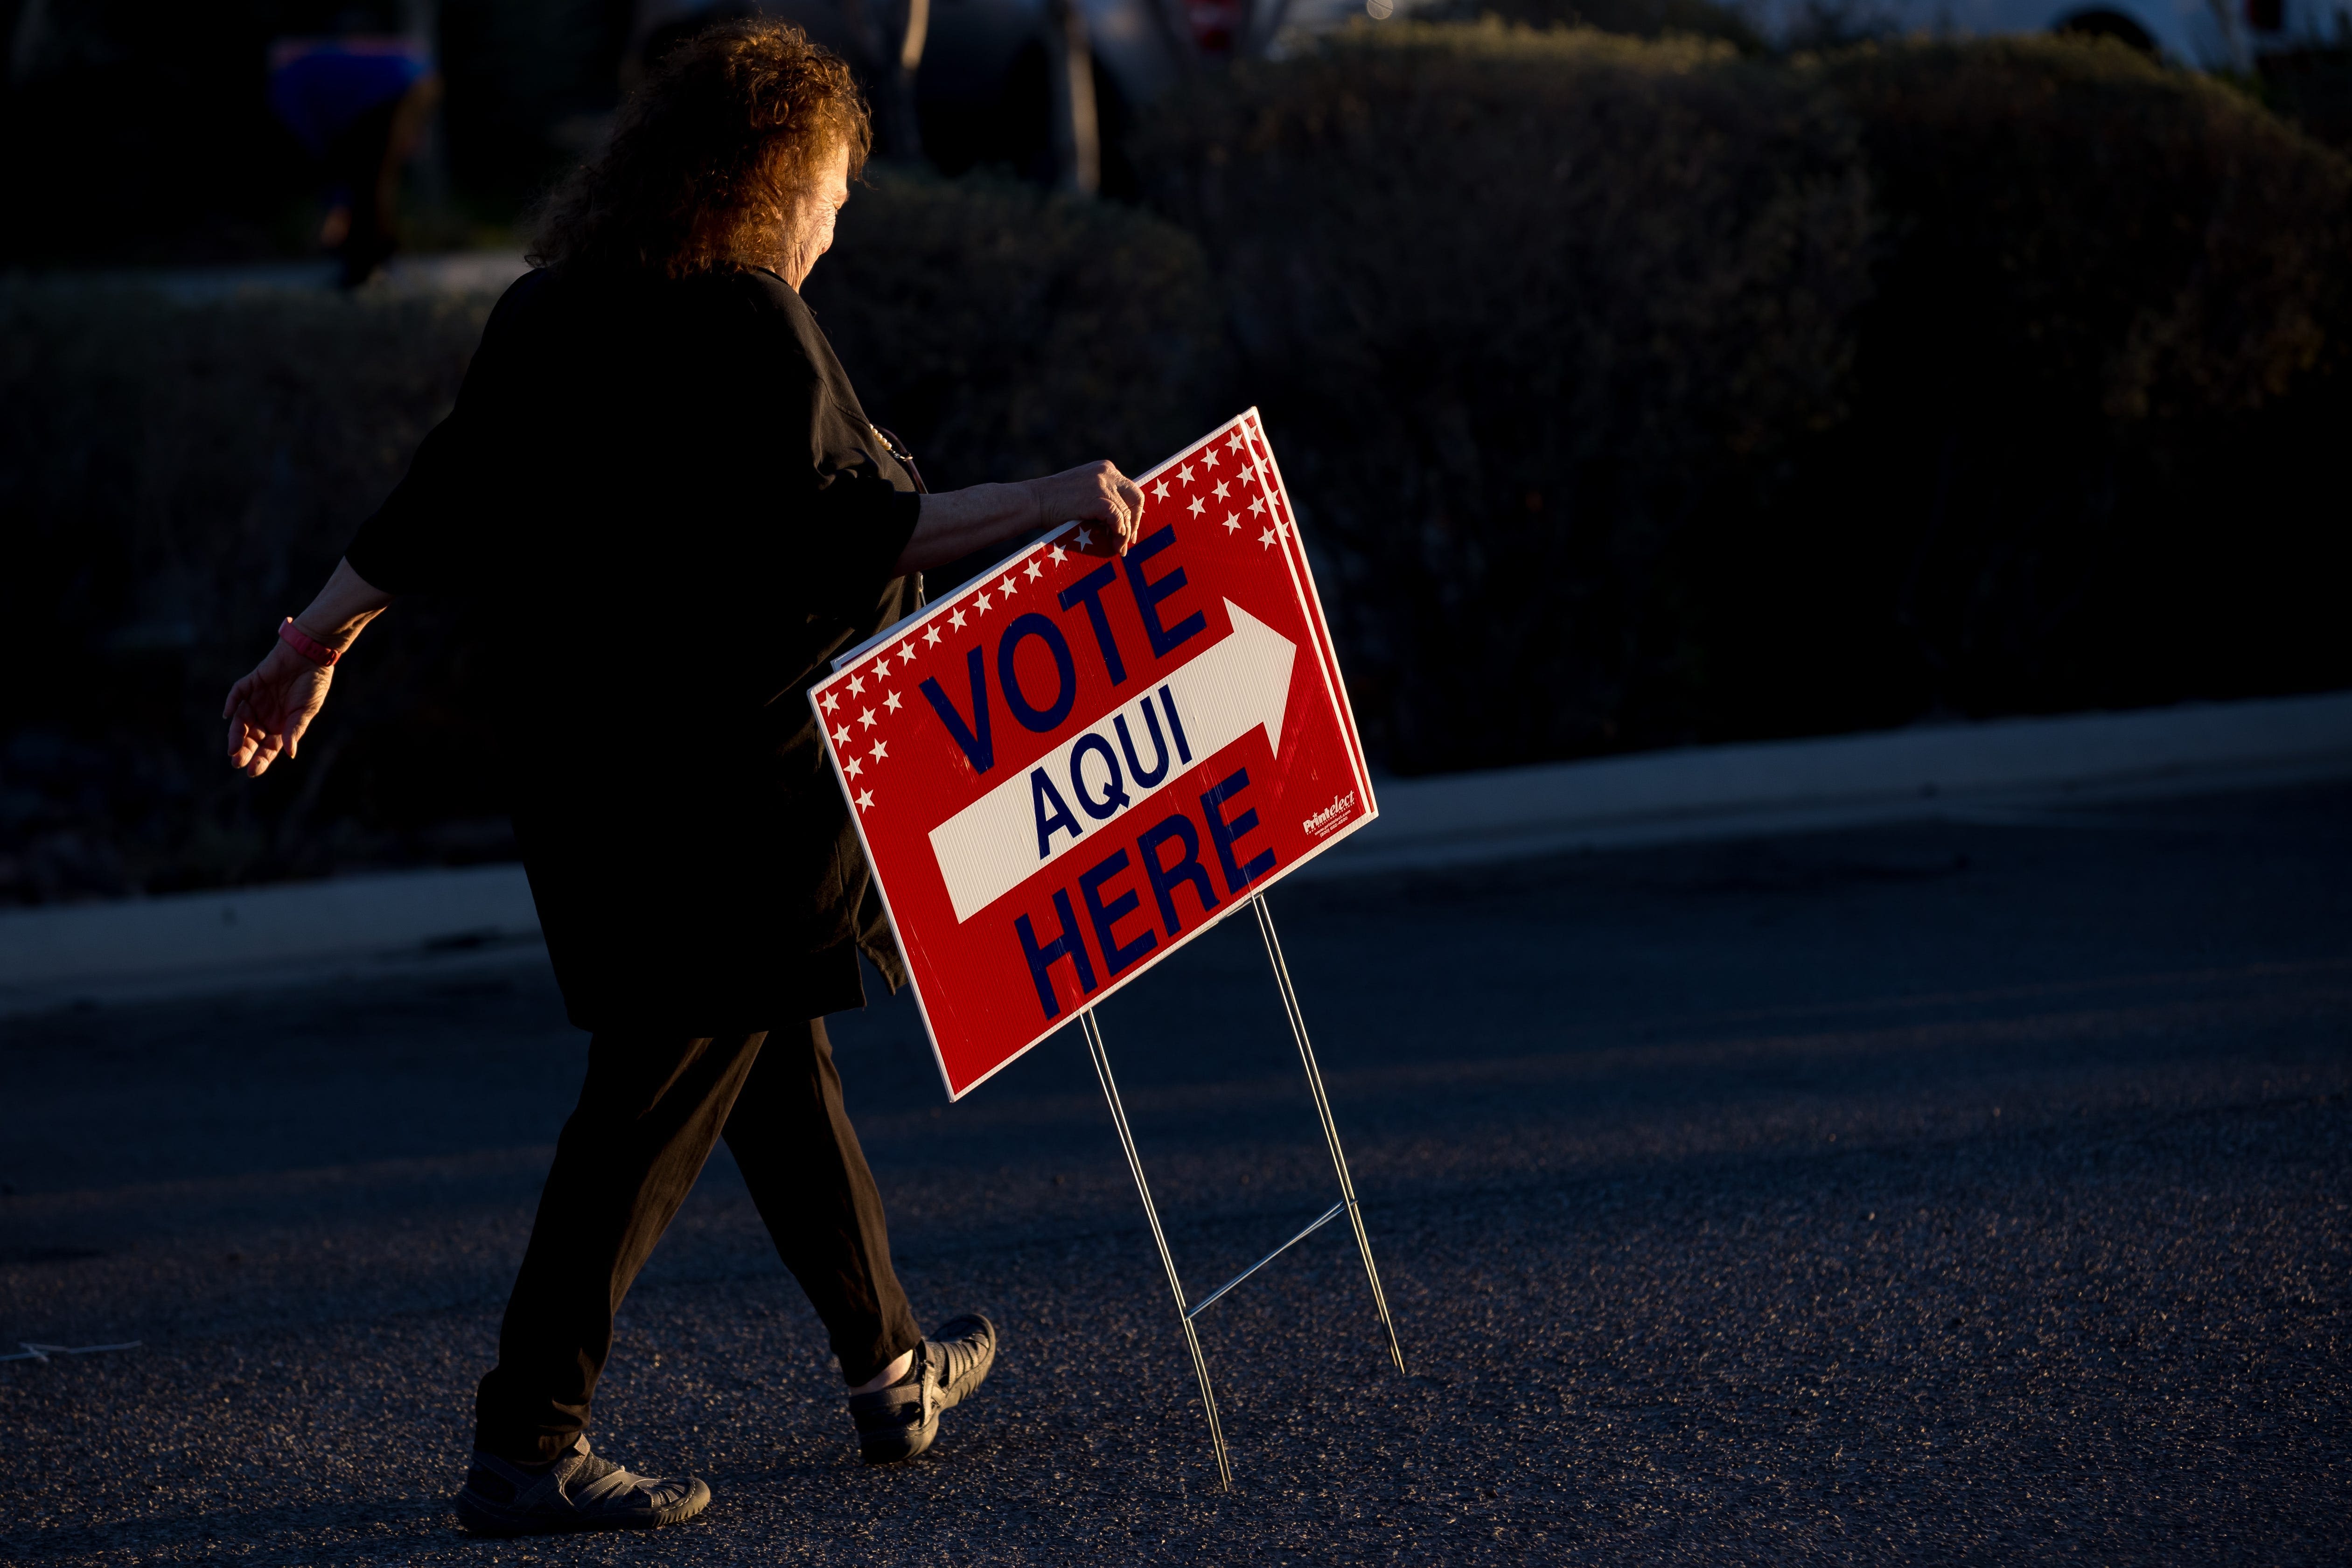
(671,509)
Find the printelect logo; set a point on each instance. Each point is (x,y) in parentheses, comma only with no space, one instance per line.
(1332,815)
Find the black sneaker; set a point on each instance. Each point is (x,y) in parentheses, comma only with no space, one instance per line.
(899,1422)
(579,1491)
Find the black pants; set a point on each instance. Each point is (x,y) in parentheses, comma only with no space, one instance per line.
(359,159)
(648,1114)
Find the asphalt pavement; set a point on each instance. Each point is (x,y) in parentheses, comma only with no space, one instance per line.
(1973,1191)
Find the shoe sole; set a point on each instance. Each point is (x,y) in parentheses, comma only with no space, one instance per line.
(893,1455)
(489,1518)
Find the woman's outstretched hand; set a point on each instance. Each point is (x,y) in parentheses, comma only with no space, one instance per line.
(1106,503)
(268,709)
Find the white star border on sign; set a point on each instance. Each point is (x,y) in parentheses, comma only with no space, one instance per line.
(982,596)
(1253,475)
(1198,464)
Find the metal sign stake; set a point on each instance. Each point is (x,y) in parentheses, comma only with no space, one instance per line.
(1331,1131)
(1091,1027)
(1092,1030)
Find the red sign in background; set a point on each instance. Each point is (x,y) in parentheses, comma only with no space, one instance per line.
(1077,764)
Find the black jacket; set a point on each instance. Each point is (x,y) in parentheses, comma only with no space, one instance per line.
(670,510)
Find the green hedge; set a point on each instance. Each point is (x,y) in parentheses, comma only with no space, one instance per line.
(173,478)
(1644,393)
(1003,332)
(1524,309)
(1632,18)
(2098,398)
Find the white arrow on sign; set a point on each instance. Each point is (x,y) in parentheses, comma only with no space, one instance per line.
(991,847)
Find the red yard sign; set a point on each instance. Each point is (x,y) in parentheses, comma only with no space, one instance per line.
(1074,766)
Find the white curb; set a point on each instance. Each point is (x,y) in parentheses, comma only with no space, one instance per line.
(193,943)
(190,944)
(1850,780)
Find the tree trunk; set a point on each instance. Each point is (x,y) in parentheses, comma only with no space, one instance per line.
(890,55)
(1070,69)
(1262,19)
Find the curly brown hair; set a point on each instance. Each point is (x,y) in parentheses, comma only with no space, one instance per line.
(707,156)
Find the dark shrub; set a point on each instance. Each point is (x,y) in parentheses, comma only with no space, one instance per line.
(1526,310)
(1004,332)
(2096,405)
(2312,88)
(1633,18)
(2121,241)
(173,478)
(1640,393)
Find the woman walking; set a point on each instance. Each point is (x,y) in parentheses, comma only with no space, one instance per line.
(660,487)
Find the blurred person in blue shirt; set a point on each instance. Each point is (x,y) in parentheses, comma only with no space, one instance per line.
(359,102)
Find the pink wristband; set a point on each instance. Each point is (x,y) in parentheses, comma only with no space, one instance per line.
(302,642)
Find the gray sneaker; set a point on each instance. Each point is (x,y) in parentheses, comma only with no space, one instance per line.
(901,1421)
(579,1491)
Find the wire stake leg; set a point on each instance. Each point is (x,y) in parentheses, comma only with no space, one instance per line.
(1331,1131)
(1090,1026)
